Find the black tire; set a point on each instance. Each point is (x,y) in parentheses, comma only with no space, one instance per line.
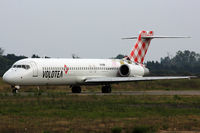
(106,89)
(15,91)
(76,89)
(103,89)
(79,89)
(109,90)
(73,90)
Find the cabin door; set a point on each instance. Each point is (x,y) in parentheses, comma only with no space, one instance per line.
(35,69)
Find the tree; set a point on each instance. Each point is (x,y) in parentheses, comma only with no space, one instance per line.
(35,56)
(6,61)
(119,56)
(1,51)
(183,63)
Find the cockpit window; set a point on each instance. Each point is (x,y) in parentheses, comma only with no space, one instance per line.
(22,66)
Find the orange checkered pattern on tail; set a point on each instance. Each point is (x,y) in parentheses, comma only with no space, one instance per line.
(140,49)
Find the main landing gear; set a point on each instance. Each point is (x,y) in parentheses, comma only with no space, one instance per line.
(15,89)
(106,89)
(76,89)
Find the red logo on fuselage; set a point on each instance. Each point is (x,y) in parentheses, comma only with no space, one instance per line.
(66,69)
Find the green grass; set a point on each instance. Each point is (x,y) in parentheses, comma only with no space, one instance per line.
(107,112)
(93,107)
(58,112)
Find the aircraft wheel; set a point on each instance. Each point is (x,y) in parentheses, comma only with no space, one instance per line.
(15,90)
(106,89)
(76,89)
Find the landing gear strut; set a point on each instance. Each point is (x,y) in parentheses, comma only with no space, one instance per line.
(15,89)
(106,89)
(76,89)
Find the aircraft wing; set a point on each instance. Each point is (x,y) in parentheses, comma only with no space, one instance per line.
(131,79)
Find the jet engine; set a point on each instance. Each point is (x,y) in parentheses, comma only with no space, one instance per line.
(131,70)
(124,70)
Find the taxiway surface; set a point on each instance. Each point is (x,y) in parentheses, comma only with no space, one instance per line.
(156,92)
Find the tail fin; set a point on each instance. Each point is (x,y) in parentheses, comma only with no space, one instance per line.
(141,46)
(140,49)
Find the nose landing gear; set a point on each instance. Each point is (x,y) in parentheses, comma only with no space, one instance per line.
(15,89)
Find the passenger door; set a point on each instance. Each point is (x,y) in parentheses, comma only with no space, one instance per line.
(35,69)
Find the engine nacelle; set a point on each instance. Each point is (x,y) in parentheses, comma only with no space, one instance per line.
(124,70)
(130,70)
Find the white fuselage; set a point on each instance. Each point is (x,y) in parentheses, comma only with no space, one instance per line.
(44,71)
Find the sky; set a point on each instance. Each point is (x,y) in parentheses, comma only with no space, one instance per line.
(94,28)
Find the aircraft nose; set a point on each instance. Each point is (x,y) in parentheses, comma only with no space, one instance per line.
(7,77)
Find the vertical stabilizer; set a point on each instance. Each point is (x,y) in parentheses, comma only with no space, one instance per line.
(140,49)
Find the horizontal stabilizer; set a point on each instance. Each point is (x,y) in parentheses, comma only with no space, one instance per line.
(152,37)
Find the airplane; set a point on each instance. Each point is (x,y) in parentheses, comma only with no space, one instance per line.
(78,72)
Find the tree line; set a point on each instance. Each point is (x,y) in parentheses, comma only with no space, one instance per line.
(183,63)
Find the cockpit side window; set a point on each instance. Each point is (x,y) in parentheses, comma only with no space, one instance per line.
(23,66)
(27,67)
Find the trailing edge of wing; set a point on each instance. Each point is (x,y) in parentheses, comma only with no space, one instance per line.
(152,37)
(131,79)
